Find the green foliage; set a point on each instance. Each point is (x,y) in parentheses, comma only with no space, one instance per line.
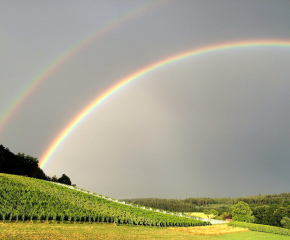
(206,211)
(285,222)
(210,212)
(261,213)
(261,228)
(213,212)
(241,212)
(219,204)
(54,178)
(24,198)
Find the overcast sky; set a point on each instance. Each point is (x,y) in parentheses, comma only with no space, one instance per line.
(214,125)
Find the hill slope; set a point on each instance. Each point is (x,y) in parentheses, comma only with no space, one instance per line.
(23,198)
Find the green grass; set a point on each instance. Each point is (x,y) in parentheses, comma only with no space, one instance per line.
(261,228)
(110,231)
(252,236)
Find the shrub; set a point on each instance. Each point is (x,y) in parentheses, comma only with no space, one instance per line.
(285,222)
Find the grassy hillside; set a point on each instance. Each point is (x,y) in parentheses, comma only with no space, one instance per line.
(24,198)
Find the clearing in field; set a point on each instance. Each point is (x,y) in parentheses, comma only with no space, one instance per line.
(199,214)
(211,230)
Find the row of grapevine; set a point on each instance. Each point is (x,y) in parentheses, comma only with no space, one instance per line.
(23,198)
(212,221)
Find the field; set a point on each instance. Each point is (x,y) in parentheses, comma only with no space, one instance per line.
(214,230)
(88,231)
(111,231)
(35,209)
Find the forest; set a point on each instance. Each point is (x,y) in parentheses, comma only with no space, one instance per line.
(267,209)
(218,204)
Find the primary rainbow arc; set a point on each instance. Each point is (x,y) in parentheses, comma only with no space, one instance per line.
(141,72)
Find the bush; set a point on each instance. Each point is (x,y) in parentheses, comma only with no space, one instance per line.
(285,222)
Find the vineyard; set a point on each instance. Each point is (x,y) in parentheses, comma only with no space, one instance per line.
(28,199)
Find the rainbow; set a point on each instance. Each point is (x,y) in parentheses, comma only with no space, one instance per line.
(141,72)
(62,58)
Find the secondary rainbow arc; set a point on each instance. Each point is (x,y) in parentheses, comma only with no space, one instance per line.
(141,72)
(63,57)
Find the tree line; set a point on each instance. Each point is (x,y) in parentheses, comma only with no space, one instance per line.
(219,204)
(273,210)
(263,215)
(25,165)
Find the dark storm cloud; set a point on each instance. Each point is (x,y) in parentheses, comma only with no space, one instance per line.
(214,125)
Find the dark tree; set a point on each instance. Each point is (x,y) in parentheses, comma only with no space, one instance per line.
(64,179)
(1,157)
(20,164)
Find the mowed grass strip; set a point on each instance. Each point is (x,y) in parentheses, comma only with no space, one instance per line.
(199,214)
(252,235)
(214,230)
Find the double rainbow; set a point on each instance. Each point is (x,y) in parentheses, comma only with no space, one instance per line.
(141,72)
